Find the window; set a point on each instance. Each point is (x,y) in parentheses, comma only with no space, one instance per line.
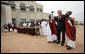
(23,20)
(38,20)
(32,20)
(12,5)
(39,9)
(14,21)
(22,7)
(32,8)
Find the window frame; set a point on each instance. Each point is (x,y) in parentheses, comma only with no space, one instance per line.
(22,7)
(32,8)
(23,19)
(13,5)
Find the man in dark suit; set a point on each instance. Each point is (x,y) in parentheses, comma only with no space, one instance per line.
(60,19)
(8,27)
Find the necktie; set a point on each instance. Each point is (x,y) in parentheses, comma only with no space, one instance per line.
(59,18)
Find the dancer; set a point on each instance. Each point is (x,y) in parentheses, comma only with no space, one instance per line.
(51,31)
(11,29)
(70,31)
(15,28)
(5,28)
(40,28)
(43,25)
(8,27)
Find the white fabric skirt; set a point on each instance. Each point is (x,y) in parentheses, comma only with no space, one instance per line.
(70,43)
(48,32)
(41,32)
(54,37)
(44,31)
(11,29)
(15,30)
(6,30)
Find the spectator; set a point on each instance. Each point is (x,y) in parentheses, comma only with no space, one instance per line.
(8,27)
(5,28)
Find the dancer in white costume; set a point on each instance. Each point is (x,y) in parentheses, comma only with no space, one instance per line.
(5,28)
(43,27)
(40,29)
(70,31)
(15,28)
(51,31)
(70,42)
(24,24)
(11,29)
(49,36)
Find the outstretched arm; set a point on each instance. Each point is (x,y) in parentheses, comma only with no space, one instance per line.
(70,18)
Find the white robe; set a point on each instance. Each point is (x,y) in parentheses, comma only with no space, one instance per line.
(43,25)
(54,37)
(6,30)
(12,25)
(15,30)
(70,42)
(29,24)
(11,29)
(24,24)
(50,37)
(40,29)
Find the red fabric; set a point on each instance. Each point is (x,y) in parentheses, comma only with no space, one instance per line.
(50,24)
(53,27)
(70,31)
(5,27)
(15,27)
(10,26)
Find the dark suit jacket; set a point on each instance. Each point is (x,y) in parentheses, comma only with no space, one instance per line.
(60,24)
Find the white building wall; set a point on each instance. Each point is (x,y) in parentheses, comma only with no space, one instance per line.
(8,14)
(3,16)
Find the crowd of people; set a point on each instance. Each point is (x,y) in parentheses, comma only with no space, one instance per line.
(10,27)
(30,24)
(52,28)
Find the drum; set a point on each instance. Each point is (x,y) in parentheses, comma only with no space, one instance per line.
(37,31)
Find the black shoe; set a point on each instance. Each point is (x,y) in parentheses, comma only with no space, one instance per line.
(49,41)
(62,44)
(58,42)
(69,48)
(55,41)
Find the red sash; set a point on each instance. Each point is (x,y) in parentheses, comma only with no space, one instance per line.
(53,27)
(15,27)
(5,27)
(10,26)
(70,31)
(50,24)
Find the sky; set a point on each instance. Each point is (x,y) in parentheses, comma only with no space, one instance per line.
(77,8)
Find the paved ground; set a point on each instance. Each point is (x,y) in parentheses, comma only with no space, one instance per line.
(23,43)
